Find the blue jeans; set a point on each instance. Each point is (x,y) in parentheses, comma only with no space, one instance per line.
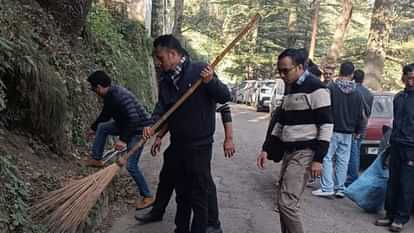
(353,166)
(340,150)
(109,128)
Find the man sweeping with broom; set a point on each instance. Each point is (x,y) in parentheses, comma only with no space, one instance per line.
(191,128)
(121,116)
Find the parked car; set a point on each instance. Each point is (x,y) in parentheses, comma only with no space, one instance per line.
(381,115)
(278,92)
(264,94)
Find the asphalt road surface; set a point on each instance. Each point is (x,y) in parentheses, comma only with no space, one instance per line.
(245,192)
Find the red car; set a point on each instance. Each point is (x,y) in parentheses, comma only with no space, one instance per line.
(381,114)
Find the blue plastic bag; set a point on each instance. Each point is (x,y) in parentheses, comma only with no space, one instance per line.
(369,190)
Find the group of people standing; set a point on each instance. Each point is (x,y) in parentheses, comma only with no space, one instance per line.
(317,133)
(316,123)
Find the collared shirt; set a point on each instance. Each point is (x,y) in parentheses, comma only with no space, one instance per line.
(302,78)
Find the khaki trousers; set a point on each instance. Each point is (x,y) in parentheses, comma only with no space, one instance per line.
(293,178)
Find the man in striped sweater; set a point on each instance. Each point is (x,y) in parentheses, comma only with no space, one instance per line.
(302,132)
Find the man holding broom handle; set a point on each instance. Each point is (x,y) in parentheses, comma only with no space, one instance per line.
(167,180)
(121,116)
(191,128)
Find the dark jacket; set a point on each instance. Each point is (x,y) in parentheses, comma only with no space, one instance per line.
(194,122)
(368,98)
(122,106)
(348,108)
(403,124)
(272,144)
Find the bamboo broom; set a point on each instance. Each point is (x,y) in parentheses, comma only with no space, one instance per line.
(64,210)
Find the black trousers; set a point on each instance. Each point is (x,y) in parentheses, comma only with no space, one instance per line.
(167,181)
(400,192)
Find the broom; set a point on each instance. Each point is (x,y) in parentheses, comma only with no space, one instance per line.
(64,210)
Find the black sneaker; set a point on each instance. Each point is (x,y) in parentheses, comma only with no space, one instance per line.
(396,227)
(383,222)
(148,217)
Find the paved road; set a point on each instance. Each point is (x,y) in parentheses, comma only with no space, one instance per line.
(246,193)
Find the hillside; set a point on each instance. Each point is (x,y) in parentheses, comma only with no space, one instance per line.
(45,104)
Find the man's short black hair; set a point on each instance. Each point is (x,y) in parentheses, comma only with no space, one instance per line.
(314,69)
(298,56)
(99,78)
(359,76)
(346,69)
(408,68)
(169,42)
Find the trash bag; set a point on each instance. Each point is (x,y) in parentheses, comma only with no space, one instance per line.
(369,190)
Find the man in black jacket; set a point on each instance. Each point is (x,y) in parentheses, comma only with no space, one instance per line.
(167,179)
(122,116)
(400,191)
(191,129)
(349,122)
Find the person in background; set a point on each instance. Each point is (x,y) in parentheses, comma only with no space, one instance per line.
(314,69)
(122,115)
(328,73)
(400,191)
(349,121)
(368,97)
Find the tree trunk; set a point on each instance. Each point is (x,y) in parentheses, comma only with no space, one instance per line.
(292,19)
(70,14)
(178,22)
(338,40)
(381,23)
(316,5)
(157,18)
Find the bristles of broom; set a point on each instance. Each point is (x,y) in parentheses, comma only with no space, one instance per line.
(64,210)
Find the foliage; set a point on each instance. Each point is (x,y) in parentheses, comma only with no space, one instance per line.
(34,95)
(213,23)
(14,196)
(125,51)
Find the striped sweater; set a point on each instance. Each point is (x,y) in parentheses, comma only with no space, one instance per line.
(305,118)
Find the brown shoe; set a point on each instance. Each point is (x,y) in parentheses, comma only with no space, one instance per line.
(94,163)
(144,203)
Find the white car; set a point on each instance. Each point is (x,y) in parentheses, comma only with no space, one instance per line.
(277,95)
(264,95)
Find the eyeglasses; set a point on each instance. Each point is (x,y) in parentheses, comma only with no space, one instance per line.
(286,71)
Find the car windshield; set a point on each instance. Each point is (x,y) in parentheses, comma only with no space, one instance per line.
(382,106)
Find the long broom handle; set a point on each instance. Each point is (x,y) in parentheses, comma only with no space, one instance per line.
(192,89)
